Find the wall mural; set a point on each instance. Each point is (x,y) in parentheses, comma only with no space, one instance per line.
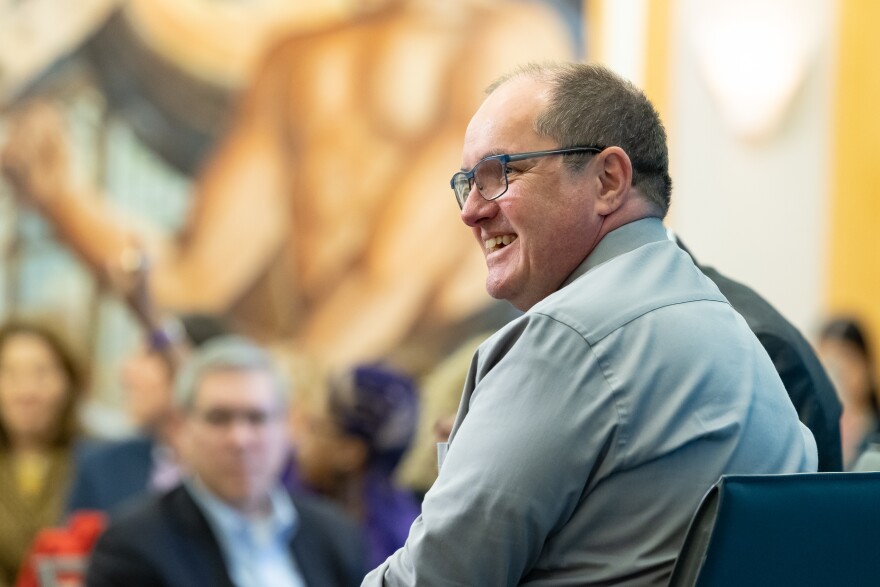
(292,175)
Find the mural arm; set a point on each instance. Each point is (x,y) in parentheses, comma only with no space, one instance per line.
(227,239)
(422,252)
(35,161)
(419,245)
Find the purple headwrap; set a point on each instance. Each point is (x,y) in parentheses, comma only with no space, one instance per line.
(378,405)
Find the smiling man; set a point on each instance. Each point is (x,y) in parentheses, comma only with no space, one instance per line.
(591,426)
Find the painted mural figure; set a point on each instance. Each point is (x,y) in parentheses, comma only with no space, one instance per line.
(322,218)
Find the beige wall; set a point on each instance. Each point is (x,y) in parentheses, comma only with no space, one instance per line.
(756,208)
(750,197)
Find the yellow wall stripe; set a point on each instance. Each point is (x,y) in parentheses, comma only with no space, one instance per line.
(854,234)
(657,56)
(593,29)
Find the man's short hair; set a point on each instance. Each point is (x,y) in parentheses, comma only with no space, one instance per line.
(591,105)
(225,353)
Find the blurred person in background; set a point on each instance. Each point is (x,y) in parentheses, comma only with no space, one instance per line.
(41,381)
(108,475)
(349,438)
(845,349)
(230,522)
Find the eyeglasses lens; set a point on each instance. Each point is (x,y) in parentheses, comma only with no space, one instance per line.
(462,186)
(489,177)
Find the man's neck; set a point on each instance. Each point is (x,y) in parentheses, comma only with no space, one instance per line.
(250,507)
(255,509)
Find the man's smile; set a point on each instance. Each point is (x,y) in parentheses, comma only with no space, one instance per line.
(498,242)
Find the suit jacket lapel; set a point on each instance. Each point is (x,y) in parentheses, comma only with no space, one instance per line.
(306,549)
(195,546)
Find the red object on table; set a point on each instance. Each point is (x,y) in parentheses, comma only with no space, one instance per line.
(58,556)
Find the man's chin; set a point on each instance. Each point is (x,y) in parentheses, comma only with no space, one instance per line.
(516,298)
(495,291)
(501,287)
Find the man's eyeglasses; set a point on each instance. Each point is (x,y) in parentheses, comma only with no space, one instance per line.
(490,174)
(222,418)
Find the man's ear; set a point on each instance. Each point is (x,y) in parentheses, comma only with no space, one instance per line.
(615,179)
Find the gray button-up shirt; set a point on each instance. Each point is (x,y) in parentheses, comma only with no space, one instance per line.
(591,427)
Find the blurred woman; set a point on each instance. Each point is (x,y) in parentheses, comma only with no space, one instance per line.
(40,384)
(348,439)
(846,353)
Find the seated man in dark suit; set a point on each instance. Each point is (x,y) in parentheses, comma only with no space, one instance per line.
(109,474)
(805,380)
(230,522)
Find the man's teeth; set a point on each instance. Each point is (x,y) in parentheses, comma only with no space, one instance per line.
(498,241)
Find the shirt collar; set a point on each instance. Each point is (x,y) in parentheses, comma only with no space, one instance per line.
(161,452)
(282,518)
(622,240)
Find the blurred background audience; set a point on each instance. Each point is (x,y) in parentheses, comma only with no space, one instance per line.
(846,352)
(41,381)
(349,436)
(230,522)
(117,471)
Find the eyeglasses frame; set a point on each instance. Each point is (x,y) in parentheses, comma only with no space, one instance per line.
(504,159)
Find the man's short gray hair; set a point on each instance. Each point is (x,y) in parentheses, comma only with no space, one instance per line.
(225,353)
(591,105)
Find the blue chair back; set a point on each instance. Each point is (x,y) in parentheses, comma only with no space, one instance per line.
(813,529)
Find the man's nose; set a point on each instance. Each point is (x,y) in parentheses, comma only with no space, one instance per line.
(240,432)
(476,208)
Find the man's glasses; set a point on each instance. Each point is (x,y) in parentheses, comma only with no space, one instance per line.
(222,418)
(490,174)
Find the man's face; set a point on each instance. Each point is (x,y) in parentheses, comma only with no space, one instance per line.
(548,212)
(234,436)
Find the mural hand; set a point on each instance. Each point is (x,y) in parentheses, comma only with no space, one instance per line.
(35,158)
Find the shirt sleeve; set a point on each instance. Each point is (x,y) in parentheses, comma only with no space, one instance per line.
(812,394)
(539,419)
